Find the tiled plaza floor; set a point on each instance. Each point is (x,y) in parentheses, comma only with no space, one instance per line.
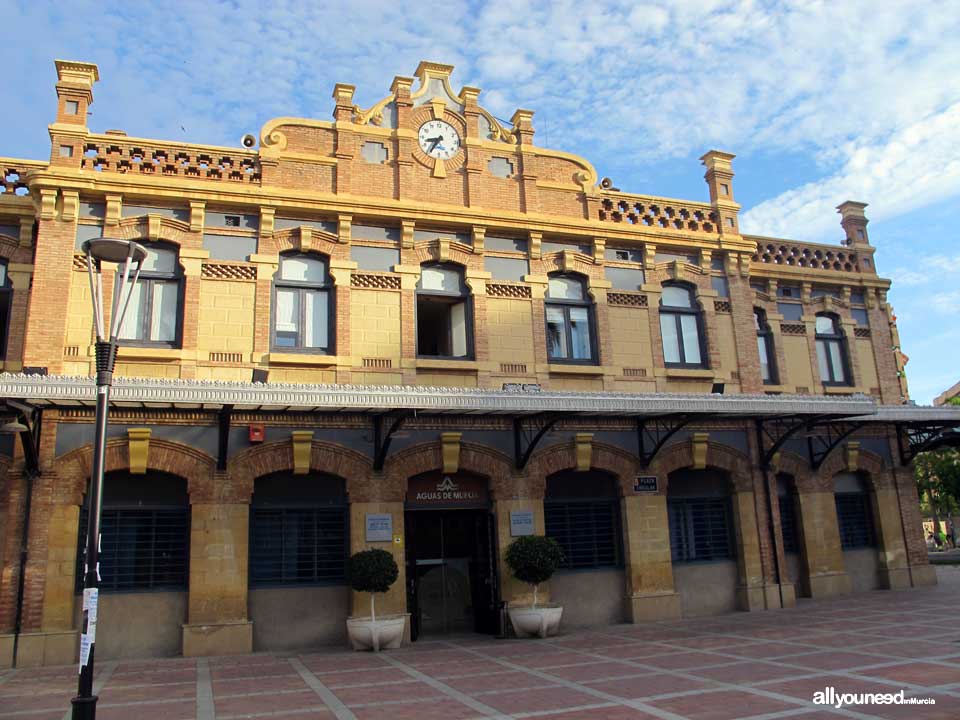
(762,665)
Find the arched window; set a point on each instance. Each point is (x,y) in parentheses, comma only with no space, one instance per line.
(854,511)
(831,351)
(298,529)
(6,296)
(681,327)
(787,501)
(153,315)
(569,321)
(698,509)
(144,533)
(768,358)
(443,313)
(302,304)
(581,511)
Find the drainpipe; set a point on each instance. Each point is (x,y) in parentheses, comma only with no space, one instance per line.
(30,441)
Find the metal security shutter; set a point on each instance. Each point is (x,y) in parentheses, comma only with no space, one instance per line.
(141,548)
(587,530)
(298,545)
(699,529)
(788,524)
(854,519)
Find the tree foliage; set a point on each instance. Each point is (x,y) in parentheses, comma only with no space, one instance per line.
(372,571)
(938,477)
(533,558)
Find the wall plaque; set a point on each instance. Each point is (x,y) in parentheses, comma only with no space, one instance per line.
(645,484)
(521,523)
(379,527)
(443,490)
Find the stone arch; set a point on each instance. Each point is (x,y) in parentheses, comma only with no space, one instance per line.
(430,251)
(609,458)
(869,464)
(195,466)
(8,246)
(157,229)
(245,467)
(680,455)
(424,457)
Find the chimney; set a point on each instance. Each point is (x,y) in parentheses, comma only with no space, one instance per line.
(854,222)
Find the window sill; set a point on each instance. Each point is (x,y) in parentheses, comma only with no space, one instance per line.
(135,352)
(441,364)
(574,369)
(841,390)
(690,373)
(280,358)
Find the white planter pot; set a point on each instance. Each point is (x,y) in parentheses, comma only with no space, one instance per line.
(535,622)
(384,633)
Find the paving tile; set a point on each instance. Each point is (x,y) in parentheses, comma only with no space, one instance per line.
(508,680)
(683,660)
(270,702)
(363,677)
(385,693)
(594,671)
(649,685)
(606,712)
(944,709)
(836,660)
(182,710)
(919,649)
(806,687)
(268,683)
(746,673)
(553,698)
(444,709)
(722,705)
(766,650)
(918,673)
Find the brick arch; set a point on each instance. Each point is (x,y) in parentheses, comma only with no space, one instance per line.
(429,252)
(194,466)
(245,467)
(797,468)
(609,458)
(720,457)
(8,246)
(427,456)
(869,464)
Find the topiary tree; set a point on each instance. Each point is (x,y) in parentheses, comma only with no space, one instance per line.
(372,571)
(534,559)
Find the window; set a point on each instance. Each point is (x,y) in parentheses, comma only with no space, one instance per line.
(443,313)
(302,303)
(582,513)
(699,529)
(569,317)
(144,533)
(854,513)
(6,298)
(768,361)
(153,315)
(831,351)
(681,328)
(788,518)
(298,530)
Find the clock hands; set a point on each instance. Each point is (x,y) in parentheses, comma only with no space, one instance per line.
(434,142)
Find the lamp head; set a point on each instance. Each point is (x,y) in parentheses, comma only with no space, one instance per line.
(115,251)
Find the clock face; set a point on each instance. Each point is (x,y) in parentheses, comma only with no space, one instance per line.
(439,139)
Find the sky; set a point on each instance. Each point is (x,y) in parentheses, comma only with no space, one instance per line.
(821,101)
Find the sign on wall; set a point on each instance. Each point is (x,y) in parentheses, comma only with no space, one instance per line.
(440,490)
(521,523)
(379,527)
(645,484)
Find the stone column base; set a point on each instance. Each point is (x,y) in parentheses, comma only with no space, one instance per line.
(647,608)
(42,648)
(829,584)
(755,597)
(894,578)
(780,596)
(227,638)
(923,575)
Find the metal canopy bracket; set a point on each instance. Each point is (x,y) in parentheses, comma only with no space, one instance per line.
(223,436)
(526,436)
(381,440)
(773,433)
(827,438)
(915,438)
(653,433)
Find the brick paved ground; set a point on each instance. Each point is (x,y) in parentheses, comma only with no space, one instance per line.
(757,665)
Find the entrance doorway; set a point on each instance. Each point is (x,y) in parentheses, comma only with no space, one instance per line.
(450,556)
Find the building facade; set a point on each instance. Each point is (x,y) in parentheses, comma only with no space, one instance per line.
(412,328)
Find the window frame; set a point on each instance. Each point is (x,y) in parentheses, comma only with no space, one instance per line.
(684,506)
(765,336)
(849,537)
(146,280)
(696,310)
(303,288)
(565,306)
(588,507)
(840,340)
(466,298)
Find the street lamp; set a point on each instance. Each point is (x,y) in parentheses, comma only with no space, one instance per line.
(129,256)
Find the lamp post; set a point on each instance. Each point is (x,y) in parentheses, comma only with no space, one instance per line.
(130,256)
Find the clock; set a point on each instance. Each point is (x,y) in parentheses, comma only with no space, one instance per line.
(439,139)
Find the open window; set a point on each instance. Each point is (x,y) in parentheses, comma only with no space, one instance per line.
(153,315)
(302,304)
(832,351)
(569,314)
(443,314)
(681,328)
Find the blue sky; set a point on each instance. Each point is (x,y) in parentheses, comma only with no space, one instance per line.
(821,101)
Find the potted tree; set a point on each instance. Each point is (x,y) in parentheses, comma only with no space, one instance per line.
(533,559)
(374,571)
